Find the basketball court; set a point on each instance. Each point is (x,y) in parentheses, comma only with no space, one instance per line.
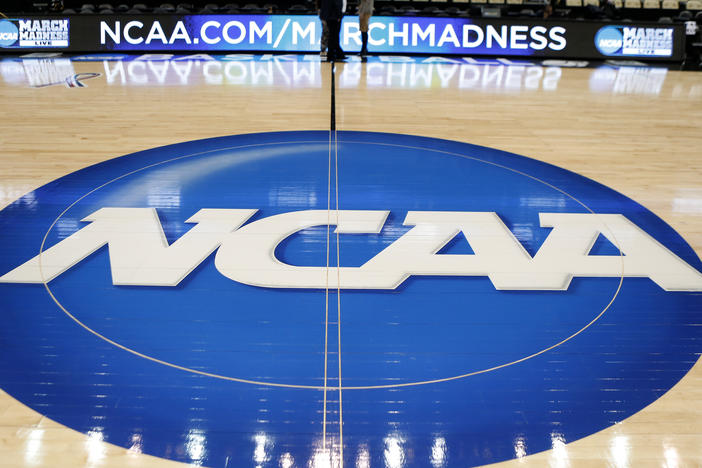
(290,342)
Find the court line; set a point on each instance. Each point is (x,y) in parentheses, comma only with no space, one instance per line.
(314,387)
(326,286)
(338,266)
(326,300)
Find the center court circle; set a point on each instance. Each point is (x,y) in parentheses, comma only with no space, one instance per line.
(530,350)
(429,328)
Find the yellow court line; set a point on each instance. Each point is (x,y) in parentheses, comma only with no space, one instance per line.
(326,300)
(315,387)
(338,299)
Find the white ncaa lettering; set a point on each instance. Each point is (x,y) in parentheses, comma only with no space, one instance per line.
(128,27)
(139,252)
(106,31)
(140,255)
(573,235)
(248,255)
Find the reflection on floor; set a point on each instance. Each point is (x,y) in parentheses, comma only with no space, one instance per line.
(386,72)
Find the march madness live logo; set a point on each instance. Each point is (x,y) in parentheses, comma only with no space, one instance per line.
(34,33)
(635,41)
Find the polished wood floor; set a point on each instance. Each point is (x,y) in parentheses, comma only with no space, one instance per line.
(635,130)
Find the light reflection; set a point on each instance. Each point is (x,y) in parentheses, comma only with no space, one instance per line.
(45,72)
(277,72)
(13,72)
(95,446)
(163,196)
(289,195)
(672,459)
(326,455)
(520,448)
(363,457)
(682,91)
(544,203)
(66,227)
(321,458)
(461,75)
(688,201)
(438,453)
(136,445)
(33,451)
(559,451)
(286,460)
(39,72)
(620,449)
(261,449)
(628,80)
(18,195)
(196,446)
(304,71)
(394,453)
(523,232)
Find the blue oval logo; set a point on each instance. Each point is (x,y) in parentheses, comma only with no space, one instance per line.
(9,34)
(450,282)
(609,40)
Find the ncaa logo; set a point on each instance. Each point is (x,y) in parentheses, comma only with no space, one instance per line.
(9,34)
(609,40)
(470,281)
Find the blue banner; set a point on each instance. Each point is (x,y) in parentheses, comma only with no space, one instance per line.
(387,34)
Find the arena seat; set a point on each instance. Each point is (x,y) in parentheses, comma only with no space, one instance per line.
(297,9)
(230,9)
(251,8)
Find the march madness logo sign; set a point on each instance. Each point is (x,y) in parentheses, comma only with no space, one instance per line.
(34,33)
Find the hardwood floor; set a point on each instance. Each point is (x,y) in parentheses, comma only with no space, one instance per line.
(635,130)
